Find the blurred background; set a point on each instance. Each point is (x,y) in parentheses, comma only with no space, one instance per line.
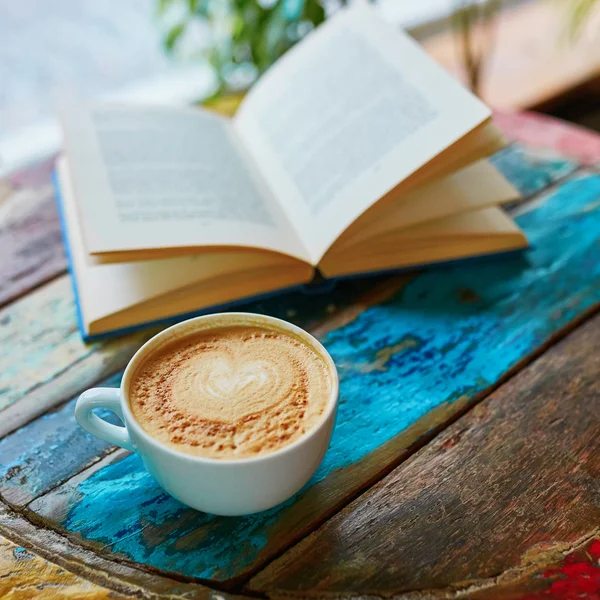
(528,54)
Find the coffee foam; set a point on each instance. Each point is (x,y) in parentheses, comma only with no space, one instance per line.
(230,392)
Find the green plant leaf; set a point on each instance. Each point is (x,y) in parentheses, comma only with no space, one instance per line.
(260,31)
(163,5)
(314,12)
(173,35)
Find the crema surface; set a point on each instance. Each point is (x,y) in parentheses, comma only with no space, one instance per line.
(230,392)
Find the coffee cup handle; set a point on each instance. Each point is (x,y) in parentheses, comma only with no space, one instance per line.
(102,398)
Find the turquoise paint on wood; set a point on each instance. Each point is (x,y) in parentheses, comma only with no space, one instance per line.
(531,170)
(39,339)
(448,333)
(38,456)
(34,350)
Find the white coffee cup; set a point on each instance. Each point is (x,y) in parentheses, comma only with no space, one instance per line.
(218,486)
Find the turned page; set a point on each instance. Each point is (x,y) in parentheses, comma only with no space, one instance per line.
(161,178)
(345,116)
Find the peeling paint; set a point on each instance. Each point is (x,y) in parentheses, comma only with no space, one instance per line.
(459,349)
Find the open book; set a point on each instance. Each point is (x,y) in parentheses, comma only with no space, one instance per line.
(354,153)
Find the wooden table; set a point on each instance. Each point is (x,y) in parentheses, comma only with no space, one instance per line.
(466,458)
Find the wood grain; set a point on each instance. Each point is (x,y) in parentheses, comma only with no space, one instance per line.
(44,361)
(531,172)
(30,239)
(573,576)
(443,340)
(47,451)
(509,488)
(112,575)
(40,343)
(535,130)
(52,365)
(42,356)
(24,575)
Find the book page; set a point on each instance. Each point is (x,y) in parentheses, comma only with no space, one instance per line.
(478,232)
(155,178)
(477,186)
(108,289)
(345,116)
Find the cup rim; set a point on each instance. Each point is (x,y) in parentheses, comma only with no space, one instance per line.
(241,318)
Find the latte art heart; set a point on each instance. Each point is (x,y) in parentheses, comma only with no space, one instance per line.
(229,386)
(231,392)
(225,381)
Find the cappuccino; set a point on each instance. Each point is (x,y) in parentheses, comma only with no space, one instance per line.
(231,392)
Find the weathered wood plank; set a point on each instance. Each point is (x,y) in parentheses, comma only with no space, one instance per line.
(24,575)
(43,361)
(506,490)
(30,239)
(47,451)
(120,578)
(33,176)
(531,172)
(406,365)
(62,495)
(574,576)
(50,351)
(43,357)
(535,130)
